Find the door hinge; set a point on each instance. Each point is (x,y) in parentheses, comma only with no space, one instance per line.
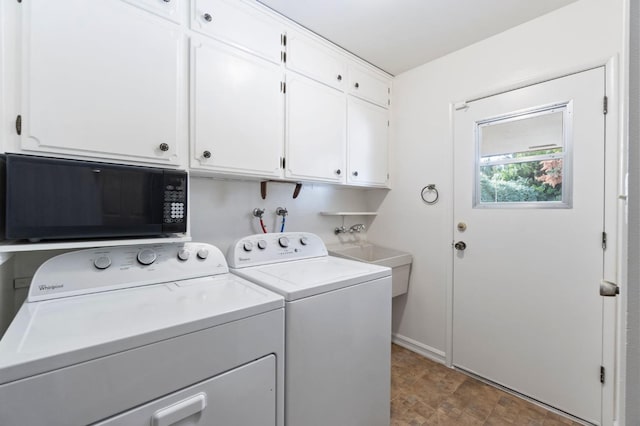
(283,87)
(604,241)
(19,124)
(605,105)
(609,289)
(602,374)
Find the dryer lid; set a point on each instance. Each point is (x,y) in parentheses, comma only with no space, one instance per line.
(56,333)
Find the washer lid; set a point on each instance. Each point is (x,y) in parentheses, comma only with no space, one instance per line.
(304,278)
(56,333)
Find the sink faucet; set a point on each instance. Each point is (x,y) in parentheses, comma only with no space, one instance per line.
(340,230)
(359,227)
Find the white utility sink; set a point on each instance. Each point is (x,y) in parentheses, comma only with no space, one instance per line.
(399,261)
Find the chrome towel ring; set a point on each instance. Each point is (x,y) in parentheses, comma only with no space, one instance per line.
(430,194)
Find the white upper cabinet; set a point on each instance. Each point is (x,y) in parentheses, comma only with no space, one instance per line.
(102,79)
(239,24)
(367,141)
(237,111)
(224,87)
(369,85)
(310,57)
(315,135)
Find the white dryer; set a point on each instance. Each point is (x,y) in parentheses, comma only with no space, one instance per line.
(338,327)
(143,335)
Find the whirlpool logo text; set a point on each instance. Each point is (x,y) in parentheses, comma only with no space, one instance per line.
(50,287)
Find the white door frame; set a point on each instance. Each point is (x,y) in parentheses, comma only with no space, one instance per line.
(616,154)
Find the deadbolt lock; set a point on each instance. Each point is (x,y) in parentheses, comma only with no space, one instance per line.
(462,226)
(460,245)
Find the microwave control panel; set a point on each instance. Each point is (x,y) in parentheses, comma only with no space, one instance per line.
(175,202)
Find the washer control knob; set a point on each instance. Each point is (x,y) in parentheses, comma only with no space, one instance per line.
(147,256)
(183,254)
(284,242)
(304,241)
(262,244)
(248,246)
(203,253)
(102,262)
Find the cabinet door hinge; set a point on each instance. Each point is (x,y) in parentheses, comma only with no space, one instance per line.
(283,39)
(602,374)
(388,123)
(605,105)
(284,163)
(283,57)
(604,240)
(19,124)
(283,87)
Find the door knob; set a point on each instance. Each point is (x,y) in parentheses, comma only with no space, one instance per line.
(460,245)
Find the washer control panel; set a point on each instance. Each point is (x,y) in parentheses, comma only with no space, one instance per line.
(110,268)
(261,249)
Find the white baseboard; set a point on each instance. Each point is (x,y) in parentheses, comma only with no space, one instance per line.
(419,348)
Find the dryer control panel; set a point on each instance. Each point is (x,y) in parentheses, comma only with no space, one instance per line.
(111,268)
(261,249)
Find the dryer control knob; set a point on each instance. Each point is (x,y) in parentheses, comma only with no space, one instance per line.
(183,254)
(102,262)
(284,242)
(304,241)
(203,253)
(147,256)
(248,246)
(262,244)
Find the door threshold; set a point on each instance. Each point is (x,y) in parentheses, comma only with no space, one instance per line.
(524,397)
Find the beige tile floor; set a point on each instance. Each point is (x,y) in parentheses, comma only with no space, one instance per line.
(424,392)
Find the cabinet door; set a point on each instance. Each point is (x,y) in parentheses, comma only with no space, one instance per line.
(169,9)
(369,85)
(316,114)
(312,59)
(237,111)
(367,141)
(239,24)
(102,79)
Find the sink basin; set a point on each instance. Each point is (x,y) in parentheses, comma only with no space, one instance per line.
(399,261)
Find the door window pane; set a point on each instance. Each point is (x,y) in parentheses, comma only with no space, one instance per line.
(523,159)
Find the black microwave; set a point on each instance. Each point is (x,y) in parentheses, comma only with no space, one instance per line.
(52,198)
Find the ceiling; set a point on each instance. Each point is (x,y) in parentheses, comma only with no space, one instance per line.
(397,35)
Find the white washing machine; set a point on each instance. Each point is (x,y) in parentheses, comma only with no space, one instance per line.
(338,328)
(150,335)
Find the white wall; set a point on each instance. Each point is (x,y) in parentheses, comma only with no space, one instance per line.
(578,35)
(221,210)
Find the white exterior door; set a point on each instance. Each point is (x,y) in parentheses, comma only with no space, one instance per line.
(529,206)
